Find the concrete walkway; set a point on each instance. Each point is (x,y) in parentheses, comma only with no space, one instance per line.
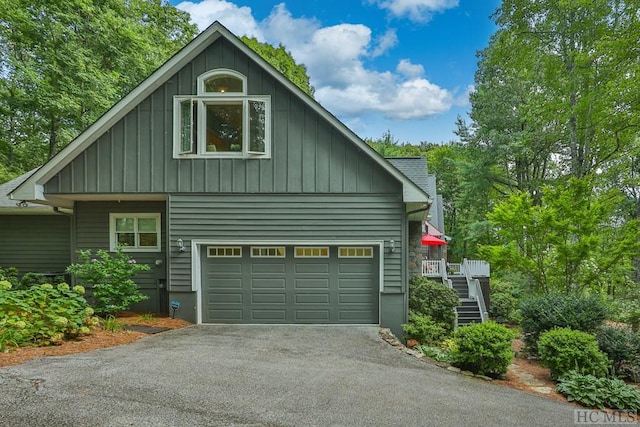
(260,376)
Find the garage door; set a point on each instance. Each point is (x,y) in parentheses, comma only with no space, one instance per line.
(290,284)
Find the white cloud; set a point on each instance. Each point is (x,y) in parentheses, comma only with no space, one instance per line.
(406,68)
(385,42)
(335,60)
(416,10)
(239,20)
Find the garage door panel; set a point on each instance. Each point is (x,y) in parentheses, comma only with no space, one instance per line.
(312,283)
(270,298)
(309,268)
(224,283)
(261,268)
(312,316)
(220,267)
(225,298)
(308,298)
(279,316)
(269,283)
(356,299)
(364,283)
(354,268)
(222,315)
(355,316)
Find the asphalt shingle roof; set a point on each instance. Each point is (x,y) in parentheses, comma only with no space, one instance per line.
(414,168)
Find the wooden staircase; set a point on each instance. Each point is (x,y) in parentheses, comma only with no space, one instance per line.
(468,310)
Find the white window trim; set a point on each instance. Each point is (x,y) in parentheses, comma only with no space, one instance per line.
(202,99)
(202,78)
(113,242)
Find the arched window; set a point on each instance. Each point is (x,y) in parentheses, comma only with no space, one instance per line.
(222,82)
(222,120)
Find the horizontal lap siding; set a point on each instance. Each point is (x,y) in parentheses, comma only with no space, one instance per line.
(92,232)
(285,217)
(35,243)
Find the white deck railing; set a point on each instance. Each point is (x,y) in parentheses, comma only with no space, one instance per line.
(433,268)
(477,267)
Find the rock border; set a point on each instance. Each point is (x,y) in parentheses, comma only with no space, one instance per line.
(391,339)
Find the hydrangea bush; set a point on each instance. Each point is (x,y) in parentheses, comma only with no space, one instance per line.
(43,315)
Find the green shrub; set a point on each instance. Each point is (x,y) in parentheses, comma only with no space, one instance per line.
(111,279)
(546,312)
(622,347)
(9,274)
(33,279)
(602,393)
(424,329)
(504,302)
(563,350)
(483,348)
(42,315)
(433,299)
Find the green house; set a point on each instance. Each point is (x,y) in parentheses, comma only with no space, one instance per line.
(249,200)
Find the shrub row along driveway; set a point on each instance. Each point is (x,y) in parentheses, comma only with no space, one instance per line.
(259,376)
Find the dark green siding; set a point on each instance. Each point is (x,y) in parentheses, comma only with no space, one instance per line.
(285,217)
(35,243)
(308,154)
(92,232)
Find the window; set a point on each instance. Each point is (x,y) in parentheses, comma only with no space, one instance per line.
(224,251)
(222,120)
(355,252)
(135,232)
(311,252)
(267,252)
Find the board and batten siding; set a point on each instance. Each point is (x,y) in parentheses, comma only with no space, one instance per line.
(308,154)
(92,232)
(35,243)
(282,217)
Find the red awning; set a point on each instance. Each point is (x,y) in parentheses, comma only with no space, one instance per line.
(431,240)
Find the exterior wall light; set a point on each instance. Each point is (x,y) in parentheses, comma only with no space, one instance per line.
(392,246)
(180,243)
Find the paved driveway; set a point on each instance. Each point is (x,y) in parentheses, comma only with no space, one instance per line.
(259,376)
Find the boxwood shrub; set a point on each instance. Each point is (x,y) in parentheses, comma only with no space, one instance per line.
(563,350)
(483,348)
(424,329)
(433,299)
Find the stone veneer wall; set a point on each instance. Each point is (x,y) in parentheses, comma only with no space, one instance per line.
(415,248)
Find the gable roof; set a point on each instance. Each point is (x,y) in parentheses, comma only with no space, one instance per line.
(32,188)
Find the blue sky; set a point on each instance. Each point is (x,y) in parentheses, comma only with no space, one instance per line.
(401,65)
